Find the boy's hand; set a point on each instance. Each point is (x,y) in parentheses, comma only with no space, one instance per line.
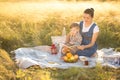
(65,49)
(72,34)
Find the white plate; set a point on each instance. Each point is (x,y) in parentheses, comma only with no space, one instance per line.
(83,58)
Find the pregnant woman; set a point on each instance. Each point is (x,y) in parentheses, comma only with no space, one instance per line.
(89,32)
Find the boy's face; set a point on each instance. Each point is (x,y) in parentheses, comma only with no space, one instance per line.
(74,30)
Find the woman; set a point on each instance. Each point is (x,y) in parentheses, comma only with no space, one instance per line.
(89,32)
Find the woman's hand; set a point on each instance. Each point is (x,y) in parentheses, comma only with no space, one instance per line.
(82,47)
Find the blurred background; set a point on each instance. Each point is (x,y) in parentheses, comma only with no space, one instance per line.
(28,23)
(25,23)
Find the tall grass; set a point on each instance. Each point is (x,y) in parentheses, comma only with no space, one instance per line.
(32,24)
(97,73)
(7,66)
(34,73)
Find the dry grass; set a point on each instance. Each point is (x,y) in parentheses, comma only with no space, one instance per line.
(33,23)
(7,66)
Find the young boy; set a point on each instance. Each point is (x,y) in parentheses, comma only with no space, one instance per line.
(73,39)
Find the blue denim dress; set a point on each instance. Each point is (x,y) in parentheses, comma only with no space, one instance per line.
(87,36)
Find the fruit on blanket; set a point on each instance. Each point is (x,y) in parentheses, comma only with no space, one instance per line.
(69,55)
(65,58)
(76,56)
(72,58)
(69,60)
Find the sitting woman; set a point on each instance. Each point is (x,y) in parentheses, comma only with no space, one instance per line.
(89,32)
(73,39)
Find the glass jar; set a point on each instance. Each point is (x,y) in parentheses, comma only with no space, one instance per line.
(53,49)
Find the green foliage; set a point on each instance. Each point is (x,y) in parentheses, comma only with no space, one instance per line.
(33,73)
(97,73)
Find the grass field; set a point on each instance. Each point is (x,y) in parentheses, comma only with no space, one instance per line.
(33,23)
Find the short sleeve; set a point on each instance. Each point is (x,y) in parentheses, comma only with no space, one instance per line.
(96,29)
(77,22)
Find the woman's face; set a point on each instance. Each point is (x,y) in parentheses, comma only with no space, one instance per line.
(87,18)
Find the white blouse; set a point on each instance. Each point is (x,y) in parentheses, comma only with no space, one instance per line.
(86,29)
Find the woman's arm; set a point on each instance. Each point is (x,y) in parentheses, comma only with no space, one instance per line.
(94,38)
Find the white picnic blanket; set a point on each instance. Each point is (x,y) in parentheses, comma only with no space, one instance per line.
(40,55)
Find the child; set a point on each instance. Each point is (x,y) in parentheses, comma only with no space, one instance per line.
(73,39)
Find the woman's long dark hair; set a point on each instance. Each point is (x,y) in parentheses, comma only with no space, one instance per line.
(90,11)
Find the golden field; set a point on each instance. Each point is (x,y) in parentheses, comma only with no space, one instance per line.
(26,24)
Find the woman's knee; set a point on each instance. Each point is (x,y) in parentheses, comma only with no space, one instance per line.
(94,55)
